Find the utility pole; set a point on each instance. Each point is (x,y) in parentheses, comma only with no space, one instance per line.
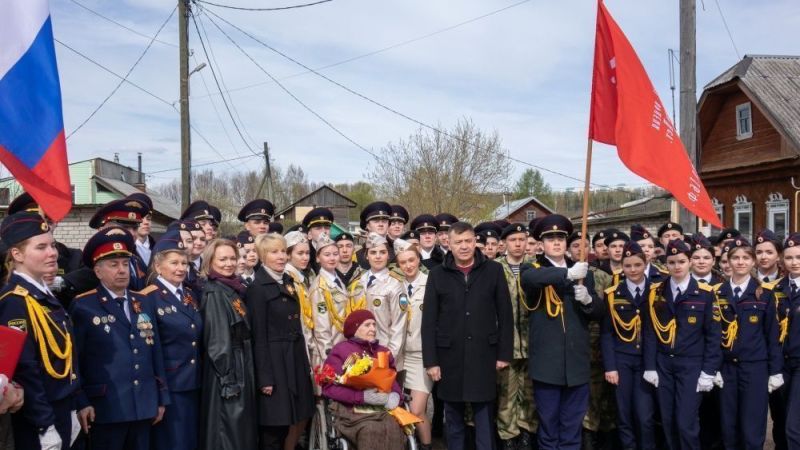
(688,96)
(184,9)
(267,180)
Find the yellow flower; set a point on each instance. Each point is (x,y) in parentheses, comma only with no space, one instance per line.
(360,367)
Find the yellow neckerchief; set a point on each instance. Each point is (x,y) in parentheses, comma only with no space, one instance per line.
(306,309)
(634,325)
(353,303)
(661,330)
(42,326)
(336,319)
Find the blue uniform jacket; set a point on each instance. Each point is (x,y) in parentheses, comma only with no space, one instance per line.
(788,306)
(40,388)
(656,275)
(756,317)
(122,360)
(697,322)
(625,306)
(180,328)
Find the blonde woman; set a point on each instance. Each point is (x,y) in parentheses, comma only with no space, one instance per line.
(330,300)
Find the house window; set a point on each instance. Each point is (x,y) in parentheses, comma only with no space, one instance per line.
(778,214)
(743,216)
(744,121)
(530,214)
(719,208)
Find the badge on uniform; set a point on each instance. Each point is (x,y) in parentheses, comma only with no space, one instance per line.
(237,305)
(96,320)
(322,308)
(692,320)
(753,319)
(376,302)
(19,324)
(290,289)
(145,327)
(107,329)
(403,302)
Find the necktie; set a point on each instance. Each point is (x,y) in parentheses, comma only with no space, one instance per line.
(410,290)
(179,294)
(794,288)
(121,303)
(703,280)
(638,297)
(370,280)
(338,283)
(677,293)
(737,293)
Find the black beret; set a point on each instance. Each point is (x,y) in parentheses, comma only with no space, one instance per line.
(23,202)
(184,225)
(513,228)
(424,222)
(198,210)
(344,236)
(574,236)
(21,226)
(639,232)
(552,224)
(632,248)
(792,241)
(502,223)
(729,233)
(480,238)
(767,235)
(615,235)
(124,211)
(318,217)
(112,242)
(409,235)
(399,213)
(444,221)
(244,237)
(677,246)
(669,226)
(698,241)
(600,236)
(489,229)
(257,209)
(735,243)
(297,227)
(275,227)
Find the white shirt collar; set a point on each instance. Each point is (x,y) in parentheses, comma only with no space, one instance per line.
(380,275)
(197,263)
(647,271)
(145,243)
(707,278)
(683,286)
(331,277)
(169,286)
(42,287)
(563,264)
(770,277)
(742,286)
(426,254)
(632,286)
(297,273)
(111,294)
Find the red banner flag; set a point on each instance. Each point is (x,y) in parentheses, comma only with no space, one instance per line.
(627,112)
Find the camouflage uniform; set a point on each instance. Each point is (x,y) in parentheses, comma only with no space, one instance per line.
(602,413)
(516,410)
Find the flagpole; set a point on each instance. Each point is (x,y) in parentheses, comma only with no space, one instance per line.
(585,219)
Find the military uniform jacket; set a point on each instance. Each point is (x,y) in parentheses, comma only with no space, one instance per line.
(788,307)
(180,327)
(330,303)
(69,259)
(40,388)
(122,362)
(416,304)
(697,325)
(351,275)
(518,307)
(436,258)
(755,335)
(657,272)
(622,325)
(387,299)
(467,327)
(558,348)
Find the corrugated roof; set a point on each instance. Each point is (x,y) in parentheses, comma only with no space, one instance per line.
(507,209)
(160,204)
(774,82)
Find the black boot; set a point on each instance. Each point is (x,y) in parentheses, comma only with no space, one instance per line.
(525,440)
(510,444)
(589,441)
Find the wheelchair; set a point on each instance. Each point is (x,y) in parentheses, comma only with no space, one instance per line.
(324,436)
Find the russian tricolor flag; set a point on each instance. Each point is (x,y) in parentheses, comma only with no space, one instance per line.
(32,144)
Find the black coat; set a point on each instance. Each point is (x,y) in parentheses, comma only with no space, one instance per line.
(437,256)
(280,351)
(558,347)
(467,326)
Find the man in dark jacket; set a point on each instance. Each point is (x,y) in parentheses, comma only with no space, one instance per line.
(467,335)
(563,300)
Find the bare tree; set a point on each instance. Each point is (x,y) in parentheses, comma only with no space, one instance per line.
(448,171)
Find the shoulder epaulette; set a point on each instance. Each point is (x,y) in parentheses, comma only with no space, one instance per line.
(770,285)
(149,289)
(611,289)
(656,285)
(717,286)
(21,291)
(536,265)
(396,276)
(706,287)
(85,294)
(661,269)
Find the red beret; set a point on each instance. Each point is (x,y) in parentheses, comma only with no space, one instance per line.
(354,320)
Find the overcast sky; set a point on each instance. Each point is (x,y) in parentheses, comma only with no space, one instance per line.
(524,72)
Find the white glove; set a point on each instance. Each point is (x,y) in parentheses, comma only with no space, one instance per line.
(582,294)
(718,382)
(775,382)
(578,271)
(651,376)
(76,428)
(50,440)
(705,382)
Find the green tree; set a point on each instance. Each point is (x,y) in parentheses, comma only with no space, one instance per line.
(531,183)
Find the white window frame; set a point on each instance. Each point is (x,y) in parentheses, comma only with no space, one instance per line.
(739,133)
(719,208)
(530,214)
(740,208)
(776,205)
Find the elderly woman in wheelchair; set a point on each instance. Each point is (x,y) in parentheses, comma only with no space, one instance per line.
(362,414)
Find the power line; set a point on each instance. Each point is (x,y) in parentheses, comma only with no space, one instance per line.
(116,88)
(216,81)
(207,163)
(120,24)
(725,23)
(283,8)
(387,48)
(216,110)
(379,104)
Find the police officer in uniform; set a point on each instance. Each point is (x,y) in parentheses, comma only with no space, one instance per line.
(205,215)
(124,390)
(443,223)
(425,226)
(46,367)
(397,223)
(559,350)
(256,215)
(374,219)
(180,327)
(143,238)
(316,222)
(599,248)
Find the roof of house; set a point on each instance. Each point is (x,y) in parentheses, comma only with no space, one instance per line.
(511,207)
(773,81)
(351,203)
(160,204)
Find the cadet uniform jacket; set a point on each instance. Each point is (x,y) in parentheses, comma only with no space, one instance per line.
(518,307)
(788,306)
(558,348)
(416,303)
(330,302)
(122,362)
(622,325)
(383,297)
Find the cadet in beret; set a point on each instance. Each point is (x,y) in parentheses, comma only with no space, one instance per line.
(248,258)
(180,328)
(47,367)
(397,222)
(621,342)
(443,223)
(347,269)
(655,271)
(124,388)
(680,343)
(411,236)
(144,241)
(702,259)
(533,247)
(490,235)
(516,414)
(561,308)
(787,296)
(599,248)
(317,222)
(330,299)
(298,227)
(615,241)
(205,215)
(768,252)
(374,219)
(425,227)
(666,233)
(275,227)
(256,215)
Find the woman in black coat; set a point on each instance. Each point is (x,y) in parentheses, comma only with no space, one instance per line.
(283,374)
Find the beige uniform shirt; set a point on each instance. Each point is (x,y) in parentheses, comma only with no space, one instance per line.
(329,315)
(383,299)
(414,313)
